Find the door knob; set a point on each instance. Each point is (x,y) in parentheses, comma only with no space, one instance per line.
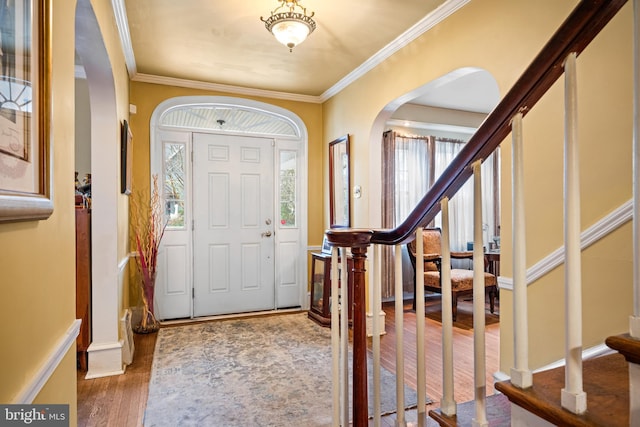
(266,234)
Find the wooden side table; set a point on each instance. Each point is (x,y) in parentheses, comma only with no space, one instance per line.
(320,306)
(493,261)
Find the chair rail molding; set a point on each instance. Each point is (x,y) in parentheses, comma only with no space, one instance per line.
(602,228)
(62,347)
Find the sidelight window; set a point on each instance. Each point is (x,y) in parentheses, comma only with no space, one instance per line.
(174,156)
(288,171)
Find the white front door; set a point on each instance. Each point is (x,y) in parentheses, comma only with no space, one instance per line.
(233,212)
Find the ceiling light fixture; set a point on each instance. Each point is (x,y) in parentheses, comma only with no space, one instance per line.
(290,27)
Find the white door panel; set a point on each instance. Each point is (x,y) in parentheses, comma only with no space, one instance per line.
(233,231)
(173,292)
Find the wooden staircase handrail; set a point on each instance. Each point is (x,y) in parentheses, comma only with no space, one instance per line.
(576,32)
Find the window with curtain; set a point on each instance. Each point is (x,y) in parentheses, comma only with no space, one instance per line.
(419,162)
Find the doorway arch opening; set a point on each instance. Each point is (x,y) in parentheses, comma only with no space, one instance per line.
(450,108)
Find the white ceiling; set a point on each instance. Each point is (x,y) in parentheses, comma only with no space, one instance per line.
(226,43)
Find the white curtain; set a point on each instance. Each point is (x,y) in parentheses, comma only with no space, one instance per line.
(414,177)
(412,172)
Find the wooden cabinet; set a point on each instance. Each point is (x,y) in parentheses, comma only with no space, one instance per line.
(83,282)
(320,306)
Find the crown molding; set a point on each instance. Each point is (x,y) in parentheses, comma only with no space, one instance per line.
(239,90)
(441,127)
(122,23)
(424,25)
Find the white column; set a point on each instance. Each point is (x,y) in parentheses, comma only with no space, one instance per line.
(344,333)
(335,339)
(520,373)
(573,398)
(399,316)
(634,321)
(376,302)
(421,380)
(478,303)
(448,403)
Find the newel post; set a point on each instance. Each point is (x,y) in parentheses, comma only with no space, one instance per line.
(358,241)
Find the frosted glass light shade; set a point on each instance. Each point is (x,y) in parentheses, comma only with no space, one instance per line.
(290,33)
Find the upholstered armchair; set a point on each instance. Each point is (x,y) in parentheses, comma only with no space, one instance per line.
(461,279)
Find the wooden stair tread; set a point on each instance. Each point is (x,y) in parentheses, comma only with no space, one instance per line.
(498,413)
(605,380)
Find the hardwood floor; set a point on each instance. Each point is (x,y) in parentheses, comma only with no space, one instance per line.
(120,401)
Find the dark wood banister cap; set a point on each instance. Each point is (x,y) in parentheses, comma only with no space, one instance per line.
(349,237)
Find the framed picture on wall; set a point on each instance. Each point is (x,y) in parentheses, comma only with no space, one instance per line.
(126,158)
(25,111)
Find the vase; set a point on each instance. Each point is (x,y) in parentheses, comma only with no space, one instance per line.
(146,322)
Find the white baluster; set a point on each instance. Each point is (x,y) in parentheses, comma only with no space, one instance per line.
(520,374)
(421,373)
(344,334)
(375,310)
(480,418)
(448,403)
(335,339)
(399,316)
(573,398)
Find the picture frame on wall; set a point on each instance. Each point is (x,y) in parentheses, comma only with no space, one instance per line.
(326,247)
(25,113)
(126,158)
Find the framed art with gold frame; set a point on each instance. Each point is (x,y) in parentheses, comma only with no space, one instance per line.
(25,110)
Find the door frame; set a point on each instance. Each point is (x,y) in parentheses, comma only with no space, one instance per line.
(299,143)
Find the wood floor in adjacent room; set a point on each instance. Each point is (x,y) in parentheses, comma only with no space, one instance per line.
(120,401)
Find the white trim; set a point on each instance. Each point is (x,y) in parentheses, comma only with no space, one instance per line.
(301,141)
(123,263)
(239,90)
(441,127)
(424,25)
(597,231)
(105,359)
(122,23)
(31,390)
(590,353)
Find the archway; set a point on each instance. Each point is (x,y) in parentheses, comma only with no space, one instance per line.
(185,278)
(105,350)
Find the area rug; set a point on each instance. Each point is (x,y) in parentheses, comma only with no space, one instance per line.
(464,319)
(262,371)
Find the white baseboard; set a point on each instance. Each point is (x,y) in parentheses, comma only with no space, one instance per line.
(105,359)
(589,353)
(383,317)
(31,390)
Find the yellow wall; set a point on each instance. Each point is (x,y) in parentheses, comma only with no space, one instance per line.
(37,258)
(37,292)
(37,304)
(147,96)
(472,38)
